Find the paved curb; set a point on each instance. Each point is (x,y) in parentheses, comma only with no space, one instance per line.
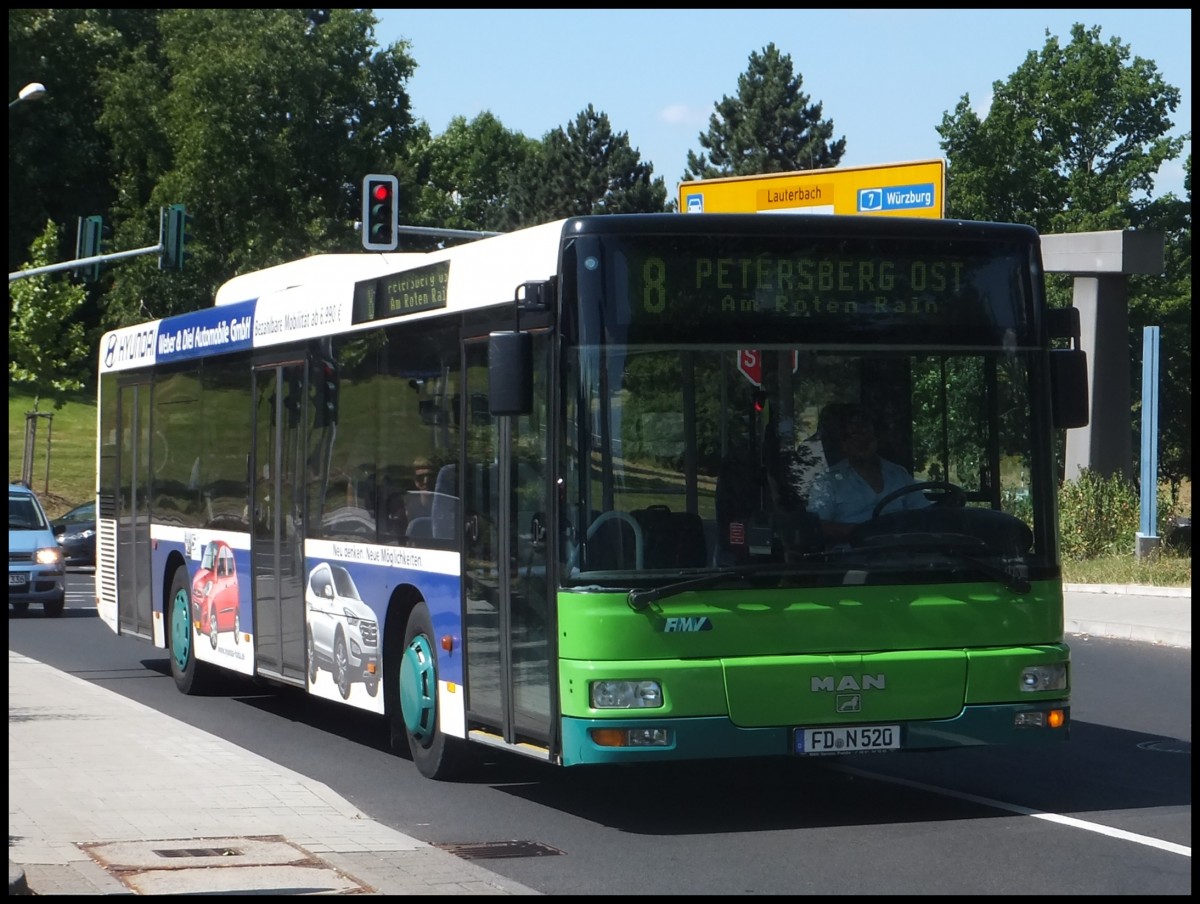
(17,885)
(1128,589)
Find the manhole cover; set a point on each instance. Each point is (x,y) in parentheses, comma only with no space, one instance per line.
(266,864)
(497,850)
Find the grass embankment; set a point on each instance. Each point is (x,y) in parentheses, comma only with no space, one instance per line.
(69,438)
(65,442)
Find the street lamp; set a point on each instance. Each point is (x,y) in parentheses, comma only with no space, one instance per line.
(32,91)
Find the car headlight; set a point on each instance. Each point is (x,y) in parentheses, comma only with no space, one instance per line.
(48,555)
(82,535)
(626,694)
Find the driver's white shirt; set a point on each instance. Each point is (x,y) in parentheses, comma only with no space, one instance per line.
(840,494)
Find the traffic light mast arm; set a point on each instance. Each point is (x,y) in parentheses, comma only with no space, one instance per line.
(176,215)
(84,261)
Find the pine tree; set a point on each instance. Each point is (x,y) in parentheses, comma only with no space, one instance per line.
(770,127)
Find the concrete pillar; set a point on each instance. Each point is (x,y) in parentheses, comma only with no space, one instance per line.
(1102,263)
(1105,445)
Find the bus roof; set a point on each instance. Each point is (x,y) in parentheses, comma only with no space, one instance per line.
(353,267)
(316,296)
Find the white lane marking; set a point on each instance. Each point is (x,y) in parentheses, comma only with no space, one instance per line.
(1168,846)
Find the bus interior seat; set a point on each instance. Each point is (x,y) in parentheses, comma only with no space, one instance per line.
(672,539)
(420,528)
(614,543)
(444,508)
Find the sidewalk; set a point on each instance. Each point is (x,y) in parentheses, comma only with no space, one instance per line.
(1161,615)
(90,770)
(107,796)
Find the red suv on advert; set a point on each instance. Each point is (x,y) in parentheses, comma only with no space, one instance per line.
(215,603)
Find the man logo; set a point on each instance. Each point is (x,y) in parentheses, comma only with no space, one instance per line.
(848,683)
(849,703)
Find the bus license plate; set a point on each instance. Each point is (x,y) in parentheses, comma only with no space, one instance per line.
(17,579)
(851,739)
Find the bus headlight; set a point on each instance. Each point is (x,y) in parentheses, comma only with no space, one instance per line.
(1052,677)
(626,694)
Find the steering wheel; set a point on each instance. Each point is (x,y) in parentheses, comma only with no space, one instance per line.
(954,494)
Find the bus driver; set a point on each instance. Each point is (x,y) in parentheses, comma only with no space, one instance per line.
(845,495)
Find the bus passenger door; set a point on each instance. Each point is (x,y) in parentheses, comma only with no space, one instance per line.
(507,614)
(135,599)
(276,539)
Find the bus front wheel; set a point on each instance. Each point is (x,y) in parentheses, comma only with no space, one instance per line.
(435,755)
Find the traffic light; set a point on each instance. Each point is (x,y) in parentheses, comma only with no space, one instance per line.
(88,243)
(380,213)
(325,378)
(173,235)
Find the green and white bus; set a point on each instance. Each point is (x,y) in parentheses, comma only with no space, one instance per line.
(614,561)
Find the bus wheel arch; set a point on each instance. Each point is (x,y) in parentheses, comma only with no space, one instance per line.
(404,599)
(410,688)
(191,676)
(436,755)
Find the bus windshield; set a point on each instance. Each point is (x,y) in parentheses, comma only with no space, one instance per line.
(717,390)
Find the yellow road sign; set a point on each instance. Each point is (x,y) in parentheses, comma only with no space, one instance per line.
(915,189)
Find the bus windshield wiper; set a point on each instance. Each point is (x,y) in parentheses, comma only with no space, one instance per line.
(640,599)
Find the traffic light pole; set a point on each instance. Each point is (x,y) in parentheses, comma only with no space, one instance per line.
(85,261)
(172,226)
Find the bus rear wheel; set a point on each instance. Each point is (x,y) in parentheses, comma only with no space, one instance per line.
(435,755)
(191,677)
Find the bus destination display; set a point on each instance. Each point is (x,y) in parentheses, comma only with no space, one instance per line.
(420,289)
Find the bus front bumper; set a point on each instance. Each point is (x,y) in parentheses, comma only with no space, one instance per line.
(647,740)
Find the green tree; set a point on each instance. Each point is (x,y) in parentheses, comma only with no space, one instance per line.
(1072,143)
(769,127)
(464,173)
(1166,302)
(262,122)
(586,168)
(48,349)
(59,167)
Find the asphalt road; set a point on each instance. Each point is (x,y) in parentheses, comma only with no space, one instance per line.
(1095,816)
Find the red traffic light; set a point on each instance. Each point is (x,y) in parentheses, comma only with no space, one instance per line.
(380,192)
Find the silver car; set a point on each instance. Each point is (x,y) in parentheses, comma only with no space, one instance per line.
(343,635)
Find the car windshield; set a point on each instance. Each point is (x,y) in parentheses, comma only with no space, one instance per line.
(24,513)
(85,512)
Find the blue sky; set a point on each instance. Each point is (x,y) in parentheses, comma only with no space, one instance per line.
(885,77)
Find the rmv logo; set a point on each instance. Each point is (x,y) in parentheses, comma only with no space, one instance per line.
(689,624)
(850,683)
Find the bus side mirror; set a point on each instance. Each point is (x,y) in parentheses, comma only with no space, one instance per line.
(510,373)
(1069,387)
(1068,370)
